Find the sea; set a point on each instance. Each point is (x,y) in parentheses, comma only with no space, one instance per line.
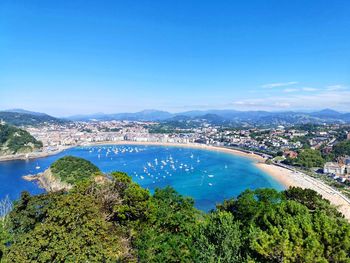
(207,176)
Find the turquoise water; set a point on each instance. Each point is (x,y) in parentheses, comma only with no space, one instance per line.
(207,176)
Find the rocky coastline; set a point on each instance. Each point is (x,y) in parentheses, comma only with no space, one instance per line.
(48,181)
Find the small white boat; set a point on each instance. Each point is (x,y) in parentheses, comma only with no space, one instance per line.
(210,184)
(37,167)
(210,175)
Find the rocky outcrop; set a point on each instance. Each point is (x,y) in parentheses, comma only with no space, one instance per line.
(48,181)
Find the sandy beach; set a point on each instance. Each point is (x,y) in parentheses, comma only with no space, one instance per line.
(293,178)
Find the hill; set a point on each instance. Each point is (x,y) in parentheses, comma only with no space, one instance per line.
(64,173)
(116,220)
(14,140)
(28,119)
(70,169)
(26,112)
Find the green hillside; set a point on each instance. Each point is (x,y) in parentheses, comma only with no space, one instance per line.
(115,220)
(14,140)
(72,169)
(27,119)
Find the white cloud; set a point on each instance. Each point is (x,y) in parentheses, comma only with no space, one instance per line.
(290,90)
(253,102)
(336,87)
(308,89)
(279,84)
(299,101)
(282,104)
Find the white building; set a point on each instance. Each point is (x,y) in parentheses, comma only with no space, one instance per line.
(333,168)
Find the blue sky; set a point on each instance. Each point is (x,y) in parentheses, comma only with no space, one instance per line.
(69,57)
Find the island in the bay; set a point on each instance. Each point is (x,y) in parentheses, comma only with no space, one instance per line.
(96,217)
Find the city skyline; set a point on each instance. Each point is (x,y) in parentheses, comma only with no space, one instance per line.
(84,57)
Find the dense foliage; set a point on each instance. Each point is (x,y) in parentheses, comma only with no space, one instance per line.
(292,226)
(62,228)
(71,169)
(342,148)
(171,127)
(310,158)
(4,235)
(115,220)
(307,158)
(167,237)
(14,140)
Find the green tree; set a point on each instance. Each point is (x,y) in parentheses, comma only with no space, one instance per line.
(309,158)
(285,234)
(312,200)
(278,227)
(169,237)
(62,227)
(218,239)
(342,148)
(71,169)
(135,202)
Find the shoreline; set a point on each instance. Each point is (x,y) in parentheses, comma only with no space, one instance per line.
(282,175)
(289,178)
(37,155)
(33,155)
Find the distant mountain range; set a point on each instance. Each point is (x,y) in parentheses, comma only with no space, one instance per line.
(226,116)
(218,117)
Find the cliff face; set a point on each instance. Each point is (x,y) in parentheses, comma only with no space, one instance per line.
(48,181)
(52,183)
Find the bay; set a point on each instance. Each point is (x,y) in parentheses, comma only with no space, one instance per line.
(207,176)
